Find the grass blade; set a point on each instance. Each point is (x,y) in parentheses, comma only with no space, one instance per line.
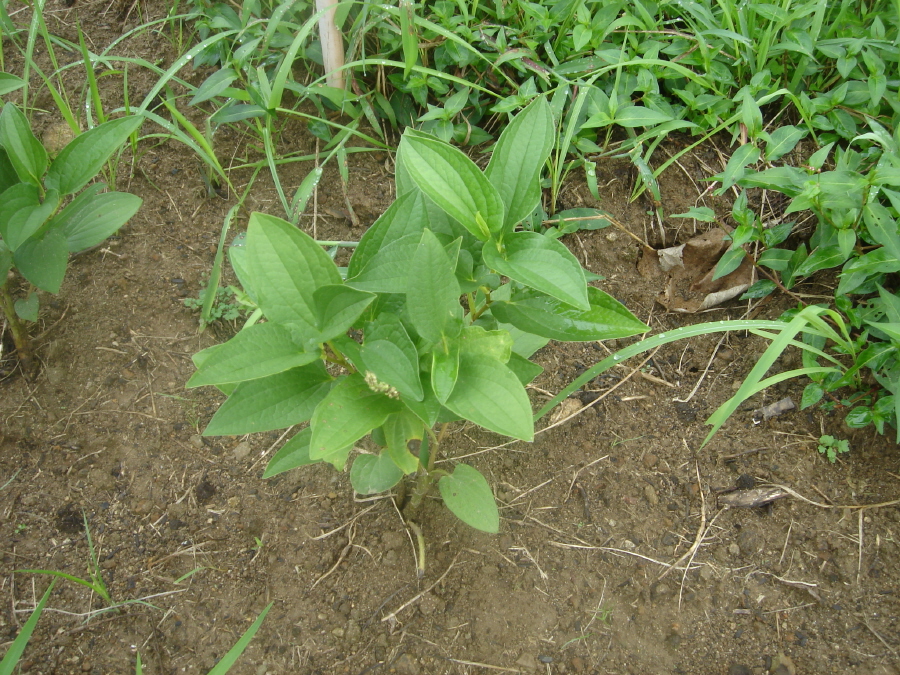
(215,274)
(235,652)
(11,660)
(651,343)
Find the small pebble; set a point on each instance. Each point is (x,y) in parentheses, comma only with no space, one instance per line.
(241,450)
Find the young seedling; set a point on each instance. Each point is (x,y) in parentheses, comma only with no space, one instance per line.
(831,447)
(443,302)
(37,230)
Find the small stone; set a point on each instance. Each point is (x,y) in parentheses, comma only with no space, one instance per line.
(734,549)
(650,460)
(197,441)
(783,665)
(57,136)
(55,375)
(660,591)
(577,664)
(745,482)
(628,544)
(338,632)
(725,355)
(406,665)
(650,495)
(241,450)
(528,662)
(392,540)
(332,495)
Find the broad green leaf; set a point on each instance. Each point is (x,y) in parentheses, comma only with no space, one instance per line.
(751,116)
(387,271)
(9,82)
(405,216)
(432,293)
(468,496)
(524,344)
(518,159)
(24,150)
(821,259)
(337,307)
(87,222)
(729,262)
(6,259)
(444,369)
(497,344)
(285,267)
(292,454)
(349,411)
(214,85)
(540,262)
(273,402)
(21,214)
(488,393)
(455,184)
(27,309)
(788,180)
(548,317)
(883,228)
(258,351)
(371,474)
(429,408)
(737,164)
(812,394)
(702,213)
(782,141)
(84,156)
(572,220)
(43,261)
(640,116)
(8,175)
(389,352)
(760,289)
(842,189)
(401,431)
(524,369)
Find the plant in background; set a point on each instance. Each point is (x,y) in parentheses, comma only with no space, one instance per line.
(421,332)
(37,231)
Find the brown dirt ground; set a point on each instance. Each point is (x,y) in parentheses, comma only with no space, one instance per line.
(594,512)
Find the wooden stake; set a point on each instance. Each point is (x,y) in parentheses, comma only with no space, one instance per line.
(332,44)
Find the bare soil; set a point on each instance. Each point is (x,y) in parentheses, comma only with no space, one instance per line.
(595,512)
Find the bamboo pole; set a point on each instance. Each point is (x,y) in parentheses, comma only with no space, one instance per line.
(332,44)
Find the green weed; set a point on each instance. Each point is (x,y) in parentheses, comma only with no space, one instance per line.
(832,447)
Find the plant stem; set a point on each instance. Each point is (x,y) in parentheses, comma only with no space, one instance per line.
(19,333)
(420,568)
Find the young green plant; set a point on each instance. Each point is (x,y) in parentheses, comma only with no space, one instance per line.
(420,331)
(37,231)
